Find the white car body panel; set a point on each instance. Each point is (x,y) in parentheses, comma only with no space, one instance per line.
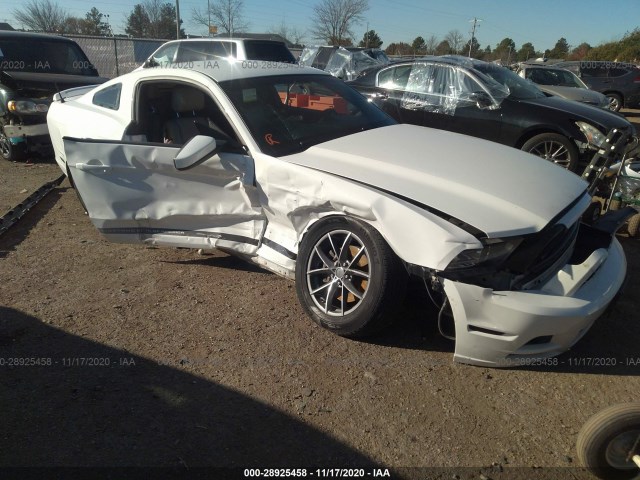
(138,195)
(405,181)
(483,184)
(494,327)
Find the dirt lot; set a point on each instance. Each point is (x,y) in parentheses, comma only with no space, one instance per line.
(167,358)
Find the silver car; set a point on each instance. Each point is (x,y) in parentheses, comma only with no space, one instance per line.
(562,83)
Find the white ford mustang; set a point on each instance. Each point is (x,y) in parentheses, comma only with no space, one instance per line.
(296,172)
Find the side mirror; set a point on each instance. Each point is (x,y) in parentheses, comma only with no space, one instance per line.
(194,152)
(149,62)
(482,100)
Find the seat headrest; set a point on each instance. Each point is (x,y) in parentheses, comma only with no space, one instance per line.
(184,99)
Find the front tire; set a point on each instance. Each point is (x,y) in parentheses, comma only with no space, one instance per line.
(553,147)
(615,101)
(348,279)
(9,151)
(606,439)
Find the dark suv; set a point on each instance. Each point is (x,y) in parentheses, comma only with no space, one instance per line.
(620,82)
(32,68)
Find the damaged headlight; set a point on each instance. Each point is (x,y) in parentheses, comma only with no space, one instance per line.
(27,106)
(493,253)
(594,136)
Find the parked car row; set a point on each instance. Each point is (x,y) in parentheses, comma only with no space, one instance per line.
(489,101)
(562,83)
(620,82)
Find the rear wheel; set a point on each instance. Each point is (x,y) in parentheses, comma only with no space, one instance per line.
(615,101)
(348,279)
(555,148)
(9,151)
(605,441)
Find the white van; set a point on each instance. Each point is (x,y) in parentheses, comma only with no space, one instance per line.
(199,49)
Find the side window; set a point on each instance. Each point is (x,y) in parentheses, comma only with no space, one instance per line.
(205,50)
(436,88)
(173,113)
(165,54)
(395,78)
(108,97)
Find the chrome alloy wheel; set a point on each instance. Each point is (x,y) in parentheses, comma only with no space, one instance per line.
(553,151)
(338,273)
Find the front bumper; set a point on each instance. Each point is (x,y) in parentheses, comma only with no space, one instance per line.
(19,132)
(512,328)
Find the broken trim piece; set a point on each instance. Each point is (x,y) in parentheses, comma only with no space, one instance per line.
(20,210)
(179,233)
(279,248)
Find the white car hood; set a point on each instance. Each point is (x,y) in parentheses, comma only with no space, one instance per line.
(497,189)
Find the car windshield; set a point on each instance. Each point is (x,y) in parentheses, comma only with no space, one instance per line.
(288,114)
(44,56)
(554,77)
(519,88)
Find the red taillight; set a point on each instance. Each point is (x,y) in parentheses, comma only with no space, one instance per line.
(637,79)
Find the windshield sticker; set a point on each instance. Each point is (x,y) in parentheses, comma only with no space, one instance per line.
(269,139)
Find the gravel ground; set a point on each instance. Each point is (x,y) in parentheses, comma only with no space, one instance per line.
(167,358)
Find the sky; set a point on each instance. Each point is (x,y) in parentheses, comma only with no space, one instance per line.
(541,22)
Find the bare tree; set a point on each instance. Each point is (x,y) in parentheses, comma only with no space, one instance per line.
(430,44)
(333,19)
(295,36)
(42,15)
(227,14)
(455,40)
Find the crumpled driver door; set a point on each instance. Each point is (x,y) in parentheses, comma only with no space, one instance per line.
(134,193)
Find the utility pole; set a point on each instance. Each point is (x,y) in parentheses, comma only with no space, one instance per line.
(366,37)
(209,23)
(177,19)
(473,33)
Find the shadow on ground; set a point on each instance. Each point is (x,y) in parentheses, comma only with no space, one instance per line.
(88,404)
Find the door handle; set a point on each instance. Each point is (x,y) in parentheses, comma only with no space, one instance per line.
(86,167)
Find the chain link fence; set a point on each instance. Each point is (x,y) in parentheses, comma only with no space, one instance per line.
(114,56)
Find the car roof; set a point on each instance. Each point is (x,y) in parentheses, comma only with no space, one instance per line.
(223,39)
(224,69)
(454,60)
(5,35)
(526,66)
(596,63)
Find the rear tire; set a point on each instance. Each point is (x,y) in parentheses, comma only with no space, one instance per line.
(605,440)
(553,147)
(348,279)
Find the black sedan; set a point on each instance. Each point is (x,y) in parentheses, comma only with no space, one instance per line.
(488,101)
